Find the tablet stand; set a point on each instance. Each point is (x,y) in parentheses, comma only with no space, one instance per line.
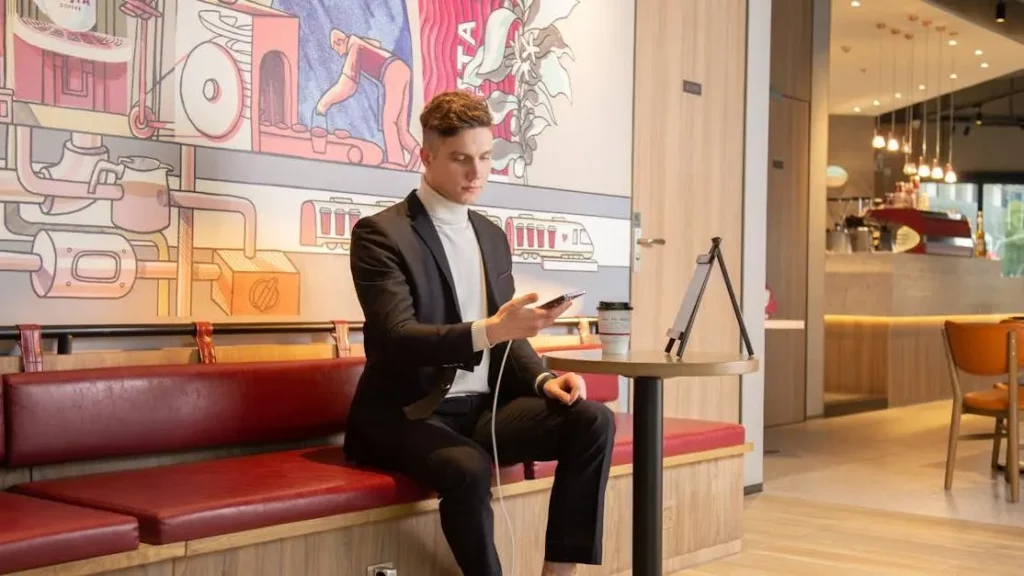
(680,331)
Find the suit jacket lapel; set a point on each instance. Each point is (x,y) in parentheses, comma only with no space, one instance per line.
(424,227)
(490,253)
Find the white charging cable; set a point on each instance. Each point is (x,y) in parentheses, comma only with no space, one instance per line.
(494,446)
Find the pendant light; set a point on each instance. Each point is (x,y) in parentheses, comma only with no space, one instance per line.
(937,172)
(878,142)
(923,171)
(893,145)
(950,173)
(909,166)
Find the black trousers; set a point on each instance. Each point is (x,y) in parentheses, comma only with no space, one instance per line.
(451,453)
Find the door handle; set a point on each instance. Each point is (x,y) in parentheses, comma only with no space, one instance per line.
(650,241)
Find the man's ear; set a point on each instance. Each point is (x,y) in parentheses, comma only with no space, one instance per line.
(426,156)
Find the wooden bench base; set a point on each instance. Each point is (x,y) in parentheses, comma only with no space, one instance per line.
(703,505)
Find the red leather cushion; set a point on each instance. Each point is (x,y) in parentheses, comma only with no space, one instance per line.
(101,413)
(36,533)
(201,499)
(681,436)
(600,387)
(3,441)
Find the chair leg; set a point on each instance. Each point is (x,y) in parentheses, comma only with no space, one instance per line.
(954,435)
(996,442)
(1013,455)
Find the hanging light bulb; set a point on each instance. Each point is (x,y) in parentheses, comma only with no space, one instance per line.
(893,145)
(950,174)
(922,168)
(878,142)
(937,173)
(910,168)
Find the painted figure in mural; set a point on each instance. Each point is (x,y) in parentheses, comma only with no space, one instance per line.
(434,280)
(365,58)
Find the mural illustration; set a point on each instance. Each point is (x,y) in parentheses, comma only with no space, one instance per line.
(119,117)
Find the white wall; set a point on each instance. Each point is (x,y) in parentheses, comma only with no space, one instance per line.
(755,193)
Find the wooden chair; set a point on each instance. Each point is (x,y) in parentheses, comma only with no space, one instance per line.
(986,350)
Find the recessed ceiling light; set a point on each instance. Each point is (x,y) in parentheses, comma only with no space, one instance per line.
(899,95)
(876,103)
(978,52)
(856,108)
(984,64)
(920,87)
(953,76)
(952,42)
(855,3)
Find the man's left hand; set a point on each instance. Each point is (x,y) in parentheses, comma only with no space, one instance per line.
(567,388)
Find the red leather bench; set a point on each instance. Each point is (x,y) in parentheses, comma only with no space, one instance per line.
(35,533)
(55,417)
(681,436)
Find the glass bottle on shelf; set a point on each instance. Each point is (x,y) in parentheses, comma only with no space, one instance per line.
(980,250)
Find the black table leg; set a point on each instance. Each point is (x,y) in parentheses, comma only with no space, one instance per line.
(647,468)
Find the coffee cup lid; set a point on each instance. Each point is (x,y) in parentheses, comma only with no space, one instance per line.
(614,306)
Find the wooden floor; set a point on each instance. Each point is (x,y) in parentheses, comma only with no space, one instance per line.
(863,495)
(787,535)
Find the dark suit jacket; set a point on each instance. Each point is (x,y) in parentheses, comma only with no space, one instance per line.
(414,335)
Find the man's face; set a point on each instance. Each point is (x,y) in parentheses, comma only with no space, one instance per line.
(458,167)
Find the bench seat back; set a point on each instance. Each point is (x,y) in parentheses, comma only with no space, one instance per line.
(78,415)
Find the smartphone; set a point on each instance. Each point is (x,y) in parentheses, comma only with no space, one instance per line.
(559,300)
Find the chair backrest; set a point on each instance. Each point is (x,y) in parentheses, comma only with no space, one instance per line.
(78,415)
(983,349)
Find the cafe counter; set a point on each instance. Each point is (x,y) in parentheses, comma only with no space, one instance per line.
(884,314)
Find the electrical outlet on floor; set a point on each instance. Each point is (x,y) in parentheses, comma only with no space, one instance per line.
(385,569)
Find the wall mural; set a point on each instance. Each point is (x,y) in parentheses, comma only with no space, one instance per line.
(187,89)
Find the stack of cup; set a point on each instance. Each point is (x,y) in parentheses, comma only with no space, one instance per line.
(614,324)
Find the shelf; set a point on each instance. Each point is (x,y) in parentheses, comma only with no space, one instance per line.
(779,324)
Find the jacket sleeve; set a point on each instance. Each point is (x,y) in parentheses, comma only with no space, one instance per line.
(382,286)
(529,368)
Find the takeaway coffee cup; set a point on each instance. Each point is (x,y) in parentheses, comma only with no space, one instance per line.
(74,15)
(614,323)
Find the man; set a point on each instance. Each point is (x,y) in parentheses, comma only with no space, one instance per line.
(434,280)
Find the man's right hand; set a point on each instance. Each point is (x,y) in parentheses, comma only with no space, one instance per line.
(516,319)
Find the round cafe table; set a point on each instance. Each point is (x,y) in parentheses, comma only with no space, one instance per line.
(648,369)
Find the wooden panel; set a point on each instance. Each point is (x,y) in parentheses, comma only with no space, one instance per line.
(788,196)
(784,377)
(791,48)
(688,180)
(900,358)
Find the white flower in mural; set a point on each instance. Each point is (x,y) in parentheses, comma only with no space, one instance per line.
(533,57)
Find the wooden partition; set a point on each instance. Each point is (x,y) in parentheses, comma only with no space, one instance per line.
(789,134)
(688,180)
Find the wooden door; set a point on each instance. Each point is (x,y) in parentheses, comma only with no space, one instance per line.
(688,181)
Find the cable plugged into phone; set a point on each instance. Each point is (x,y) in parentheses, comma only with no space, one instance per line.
(497,467)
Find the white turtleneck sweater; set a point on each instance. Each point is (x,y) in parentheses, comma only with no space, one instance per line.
(462,250)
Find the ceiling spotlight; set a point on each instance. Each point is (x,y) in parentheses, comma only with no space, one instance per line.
(921,87)
(952,42)
(1001,11)
(856,108)
(978,52)
(953,76)
(984,64)
(855,3)
(899,95)
(876,103)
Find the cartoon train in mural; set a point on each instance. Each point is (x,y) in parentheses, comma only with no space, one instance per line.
(329,224)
